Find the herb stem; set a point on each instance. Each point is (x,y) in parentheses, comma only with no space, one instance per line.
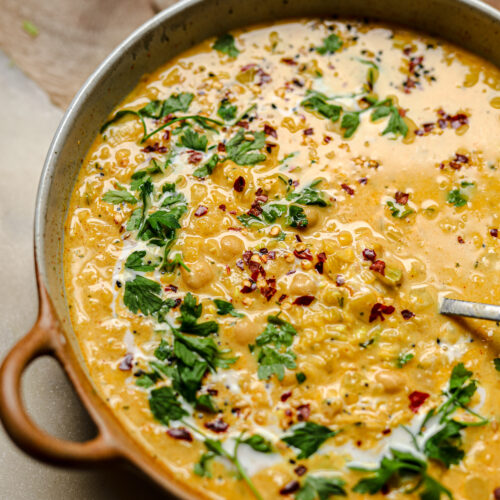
(242,472)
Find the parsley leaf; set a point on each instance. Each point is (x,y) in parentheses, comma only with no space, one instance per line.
(227,111)
(296,217)
(399,211)
(404,358)
(308,438)
(177,102)
(134,261)
(331,44)
(317,102)
(117,196)
(277,331)
(142,294)
(258,443)
(224,308)
(272,362)
(457,198)
(309,196)
(206,169)
(496,362)
(161,224)
(350,123)
(192,140)
(321,487)
(135,220)
(396,124)
(165,406)
(444,444)
(239,148)
(226,45)
(190,313)
(201,468)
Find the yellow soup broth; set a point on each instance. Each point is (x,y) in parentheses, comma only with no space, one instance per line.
(256,249)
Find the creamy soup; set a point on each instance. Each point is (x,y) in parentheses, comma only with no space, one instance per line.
(255,251)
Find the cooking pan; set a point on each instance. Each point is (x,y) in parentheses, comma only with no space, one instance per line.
(468,23)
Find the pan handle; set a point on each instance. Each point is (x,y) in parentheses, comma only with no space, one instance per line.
(20,427)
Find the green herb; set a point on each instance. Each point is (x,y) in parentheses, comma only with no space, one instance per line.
(117,196)
(278,332)
(296,217)
(401,465)
(142,294)
(224,308)
(301,377)
(331,44)
(258,443)
(457,198)
(176,103)
(309,196)
(190,313)
(308,438)
(227,111)
(206,169)
(193,140)
(445,444)
(366,343)
(273,362)
(134,261)
(496,362)
(225,44)
(161,224)
(399,211)
(317,102)
(135,220)
(163,351)
(30,28)
(396,125)
(404,358)
(165,406)
(350,123)
(321,487)
(239,148)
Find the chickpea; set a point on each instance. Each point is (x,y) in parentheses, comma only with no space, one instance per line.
(312,216)
(302,284)
(201,274)
(231,246)
(392,381)
(246,331)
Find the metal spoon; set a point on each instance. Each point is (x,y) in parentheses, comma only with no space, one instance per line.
(453,307)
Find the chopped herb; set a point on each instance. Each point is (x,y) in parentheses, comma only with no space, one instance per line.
(117,196)
(457,198)
(135,220)
(176,103)
(227,111)
(278,332)
(350,123)
(321,487)
(190,313)
(224,308)
(165,406)
(273,362)
(317,102)
(142,294)
(296,217)
(206,169)
(399,211)
(226,45)
(239,148)
(403,359)
(496,362)
(331,44)
(134,261)
(308,438)
(309,196)
(258,443)
(192,140)
(301,377)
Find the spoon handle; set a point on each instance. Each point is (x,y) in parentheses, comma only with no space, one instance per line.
(453,307)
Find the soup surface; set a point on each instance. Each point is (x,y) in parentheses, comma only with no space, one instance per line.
(255,251)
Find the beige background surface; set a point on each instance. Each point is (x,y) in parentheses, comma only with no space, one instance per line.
(38,77)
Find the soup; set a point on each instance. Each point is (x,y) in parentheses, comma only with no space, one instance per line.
(255,250)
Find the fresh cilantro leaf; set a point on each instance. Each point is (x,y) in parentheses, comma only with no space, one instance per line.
(165,406)
(134,261)
(445,444)
(163,351)
(153,109)
(296,217)
(399,211)
(226,45)
(278,332)
(457,198)
(206,403)
(117,196)
(258,443)
(171,196)
(309,196)
(404,358)
(350,123)
(227,111)
(496,362)
(381,111)
(239,148)
(301,377)
(188,372)
(273,362)
(396,124)
(190,313)
(317,102)
(135,220)
(331,44)
(142,294)
(459,375)
(206,169)
(308,438)
(202,468)
(224,308)
(321,487)
(177,102)
(433,490)
(161,224)
(192,140)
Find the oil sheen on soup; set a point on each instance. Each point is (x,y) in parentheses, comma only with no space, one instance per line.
(255,251)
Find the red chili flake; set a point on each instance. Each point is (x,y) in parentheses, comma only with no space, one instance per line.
(349,190)
(460,240)
(171,288)
(288,412)
(195,157)
(363,180)
(459,158)
(386,431)
(268,130)
(290,488)
(247,255)
(401,198)
(327,139)
(319,267)
(417,399)
(378,266)
(321,257)
(248,289)
(282,298)
(300,470)
(297,82)
(303,254)
(228,270)
(235,229)
(242,123)
(213,392)
(303,412)
(309,131)
(339,280)
(247,67)
(126,363)
(221,147)
(222,207)
(155,148)
(180,433)
(217,425)
(458,120)
(289,60)
(414,62)
(378,310)
(271,255)
(298,238)
(255,269)
(201,210)
(369,254)
(178,302)
(494,232)
(269,290)
(263,77)
(285,396)
(303,300)
(496,493)
(407,314)
(407,51)
(166,135)
(239,184)
(233,212)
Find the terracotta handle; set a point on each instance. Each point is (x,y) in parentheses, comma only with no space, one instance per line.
(23,431)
